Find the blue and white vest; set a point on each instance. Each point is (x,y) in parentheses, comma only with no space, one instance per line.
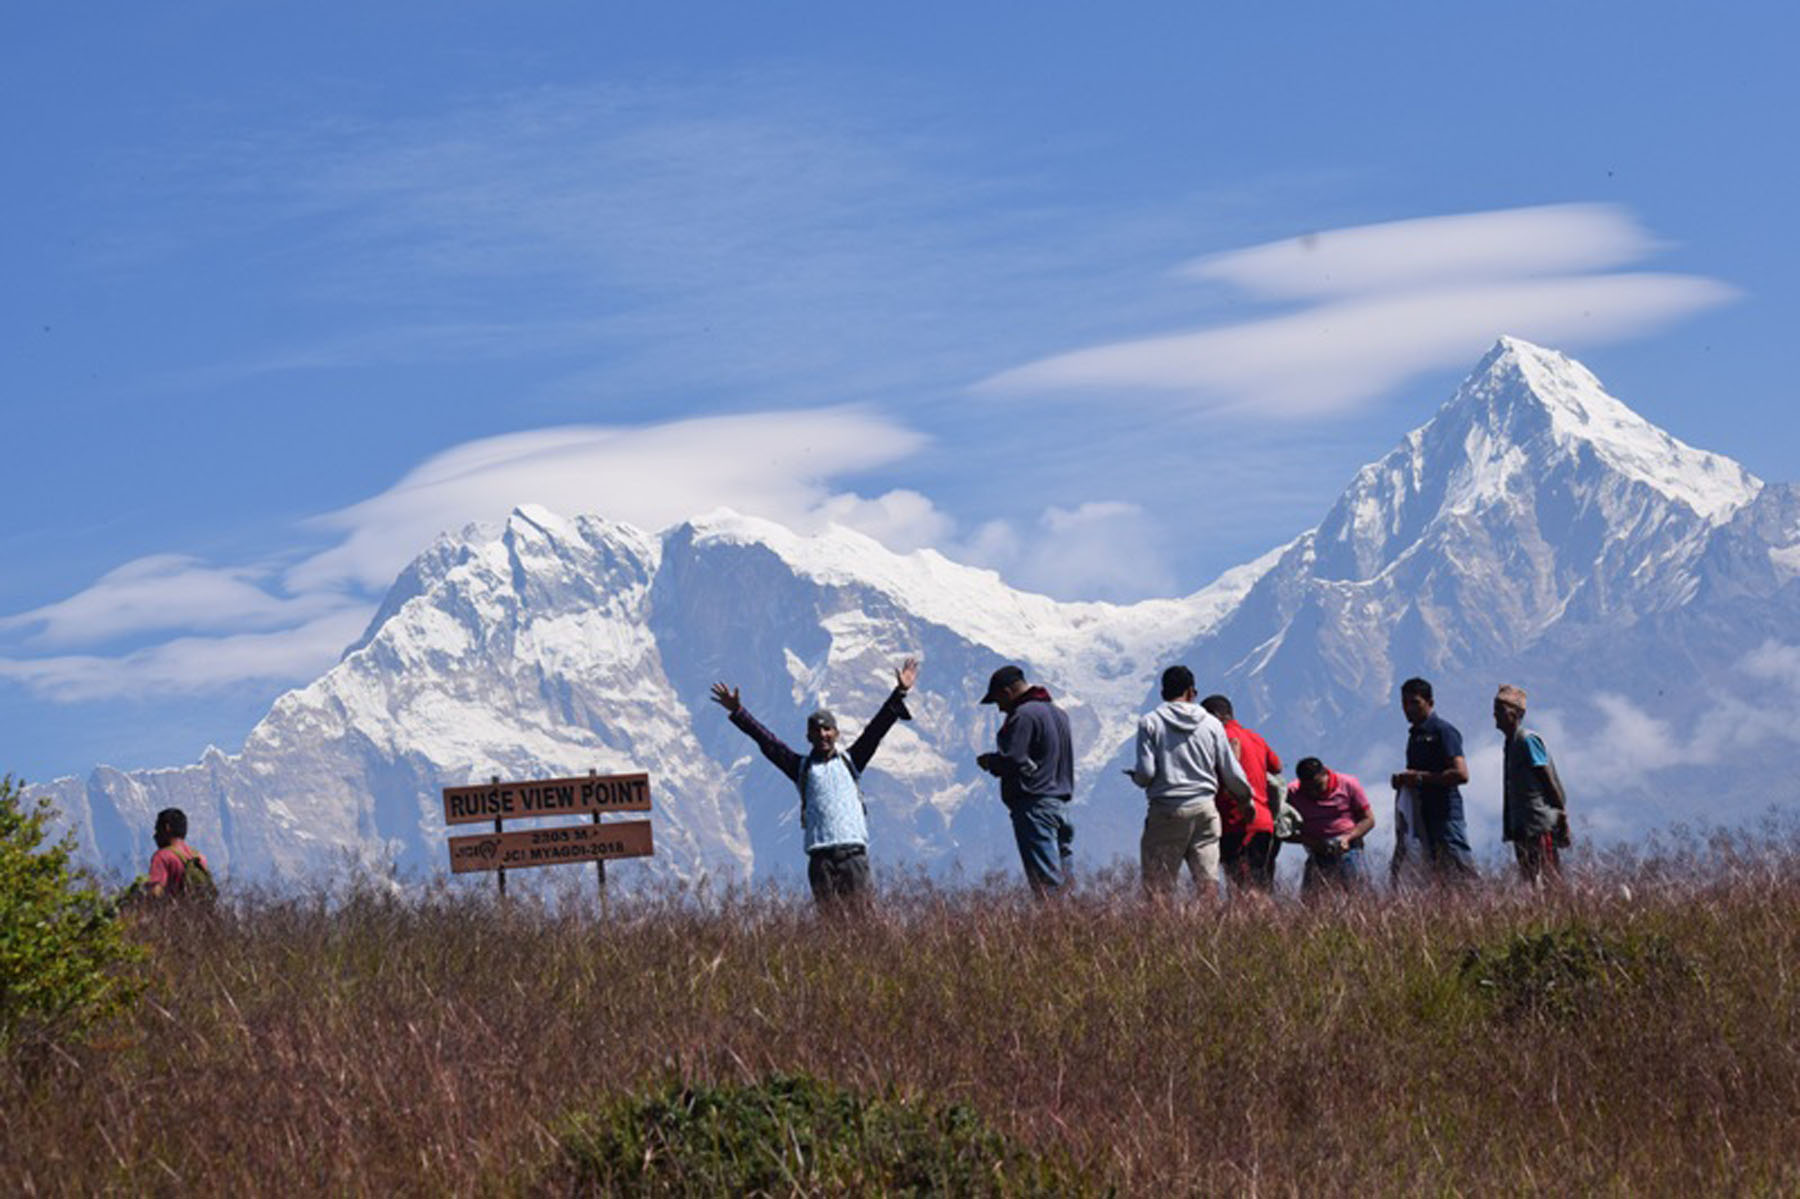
(831,803)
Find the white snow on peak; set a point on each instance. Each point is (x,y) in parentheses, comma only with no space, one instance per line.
(1581,410)
(977,604)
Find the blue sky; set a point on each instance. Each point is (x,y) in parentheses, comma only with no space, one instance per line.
(290,290)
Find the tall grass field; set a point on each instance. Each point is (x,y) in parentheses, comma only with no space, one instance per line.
(1637,1032)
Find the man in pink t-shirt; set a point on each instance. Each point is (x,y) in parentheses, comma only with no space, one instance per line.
(169,864)
(1335,816)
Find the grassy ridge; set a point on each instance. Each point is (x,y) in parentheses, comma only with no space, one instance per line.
(1638,1034)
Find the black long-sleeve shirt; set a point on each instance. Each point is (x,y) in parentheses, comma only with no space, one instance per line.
(861,750)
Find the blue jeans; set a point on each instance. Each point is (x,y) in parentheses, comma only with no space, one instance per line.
(1446,837)
(1325,872)
(1041,827)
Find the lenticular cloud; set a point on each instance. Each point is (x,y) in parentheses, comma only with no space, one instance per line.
(1389,302)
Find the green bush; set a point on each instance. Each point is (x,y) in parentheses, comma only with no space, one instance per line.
(1572,972)
(64,961)
(796,1135)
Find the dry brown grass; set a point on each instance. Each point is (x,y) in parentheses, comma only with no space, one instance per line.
(435,1045)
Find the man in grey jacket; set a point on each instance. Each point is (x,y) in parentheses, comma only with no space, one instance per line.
(1183,761)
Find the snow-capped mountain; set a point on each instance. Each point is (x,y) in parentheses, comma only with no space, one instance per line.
(1534,504)
(1536,531)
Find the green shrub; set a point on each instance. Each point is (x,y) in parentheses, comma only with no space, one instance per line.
(63,957)
(796,1135)
(1573,972)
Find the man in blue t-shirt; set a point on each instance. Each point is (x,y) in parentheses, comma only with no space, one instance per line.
(1437,769)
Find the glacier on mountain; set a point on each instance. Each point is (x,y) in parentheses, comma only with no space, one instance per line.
(1535,531)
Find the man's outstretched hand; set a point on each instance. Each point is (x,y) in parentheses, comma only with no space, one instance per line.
(726,697)
(908,674)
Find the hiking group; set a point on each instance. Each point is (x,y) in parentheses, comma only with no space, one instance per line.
(1216,799)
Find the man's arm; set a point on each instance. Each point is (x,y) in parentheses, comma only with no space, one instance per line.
(159,874)
(1456,776)
(1143,773)
(1013,757)
(1364,826)
(893,709)
(773,747)
(1232,777)
(1546,774)
(1458,773)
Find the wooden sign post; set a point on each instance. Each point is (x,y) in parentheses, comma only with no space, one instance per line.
(596,795)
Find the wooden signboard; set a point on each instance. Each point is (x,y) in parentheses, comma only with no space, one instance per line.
(590,795)
(551,846)
(593,793)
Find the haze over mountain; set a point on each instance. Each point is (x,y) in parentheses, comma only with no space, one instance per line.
(1535,531)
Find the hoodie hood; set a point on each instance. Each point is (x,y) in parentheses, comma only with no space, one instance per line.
(1180,715)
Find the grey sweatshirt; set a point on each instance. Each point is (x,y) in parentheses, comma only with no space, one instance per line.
(1183,756)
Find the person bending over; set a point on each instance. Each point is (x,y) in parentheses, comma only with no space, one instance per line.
(1335,816)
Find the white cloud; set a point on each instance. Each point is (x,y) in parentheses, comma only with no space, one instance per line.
(779,465)
(1434,252)
(1776,663)
(1396,300)
(165,592)
(775,465)
(902,520)
(1104,550)
(189,665)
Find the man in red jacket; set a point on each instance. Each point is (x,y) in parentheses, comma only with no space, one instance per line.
(1247,844)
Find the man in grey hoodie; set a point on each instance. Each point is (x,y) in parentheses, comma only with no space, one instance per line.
(1183,761)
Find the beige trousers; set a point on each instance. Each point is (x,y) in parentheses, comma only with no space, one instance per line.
(1173,835)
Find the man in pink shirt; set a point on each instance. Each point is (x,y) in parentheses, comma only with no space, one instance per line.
(170,864)
(1335,816)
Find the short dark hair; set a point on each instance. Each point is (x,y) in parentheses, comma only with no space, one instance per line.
(171,825)
(1218,705)
(1309,768)
(1419,687)
(1177,681)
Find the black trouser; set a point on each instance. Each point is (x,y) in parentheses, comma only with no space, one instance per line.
(841,872)
(1249,861)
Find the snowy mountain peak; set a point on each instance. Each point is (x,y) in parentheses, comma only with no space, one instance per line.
(1528,435)
(1518,384)
(973,602)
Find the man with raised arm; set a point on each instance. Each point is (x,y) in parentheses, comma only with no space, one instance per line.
(833,815)
(1436,769)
